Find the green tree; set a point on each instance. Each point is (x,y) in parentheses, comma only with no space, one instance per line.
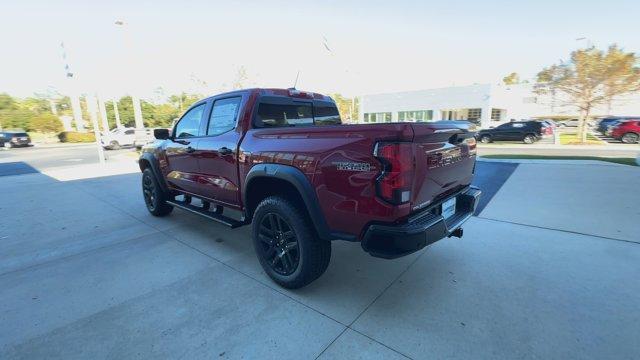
(183,100)
(37,105)
(7,102)
(14,114)
(164,114)
(511,79)
(46,123)
(348,107)
(590,78)
(624,74)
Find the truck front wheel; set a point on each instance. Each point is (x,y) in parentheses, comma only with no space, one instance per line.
(154,197)
(286,244)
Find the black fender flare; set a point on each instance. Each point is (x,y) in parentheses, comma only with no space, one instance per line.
(151,159)
(295,177)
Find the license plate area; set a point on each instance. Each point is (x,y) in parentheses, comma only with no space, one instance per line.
(449,208)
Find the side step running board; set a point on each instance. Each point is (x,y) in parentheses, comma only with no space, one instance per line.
(232,223)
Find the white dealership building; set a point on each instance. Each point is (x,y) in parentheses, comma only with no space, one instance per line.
(484,104)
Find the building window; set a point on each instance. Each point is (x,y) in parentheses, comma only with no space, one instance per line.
(496,114)
(417,115)
(377,117)
(474,114)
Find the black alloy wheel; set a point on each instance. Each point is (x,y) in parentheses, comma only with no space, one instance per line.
(279,244)
(154,198)
(149,191)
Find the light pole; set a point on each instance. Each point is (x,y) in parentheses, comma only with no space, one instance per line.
(115,110)
(137,109)
(74,96)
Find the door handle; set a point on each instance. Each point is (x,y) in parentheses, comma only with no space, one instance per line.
(190,149)
(225,151)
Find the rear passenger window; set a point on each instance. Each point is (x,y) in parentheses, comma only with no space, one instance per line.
(223,116)
(277,115)
(326,114)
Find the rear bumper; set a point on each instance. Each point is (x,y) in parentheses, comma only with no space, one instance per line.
(396,240)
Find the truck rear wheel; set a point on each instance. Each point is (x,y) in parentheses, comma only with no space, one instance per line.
(154,197)
(286,244)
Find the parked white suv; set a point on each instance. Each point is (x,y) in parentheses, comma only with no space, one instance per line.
(117,138)
(127,137)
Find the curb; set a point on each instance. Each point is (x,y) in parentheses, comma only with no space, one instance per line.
(552,161)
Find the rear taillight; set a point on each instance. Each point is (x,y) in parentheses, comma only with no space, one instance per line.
(394,183)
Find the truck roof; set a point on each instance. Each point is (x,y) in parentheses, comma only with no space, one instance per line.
(291,92)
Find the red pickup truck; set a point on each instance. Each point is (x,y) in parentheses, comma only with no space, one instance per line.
(281,160)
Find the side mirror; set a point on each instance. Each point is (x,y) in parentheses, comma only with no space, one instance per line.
(161,134)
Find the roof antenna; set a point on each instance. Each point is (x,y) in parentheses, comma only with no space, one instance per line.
(296,82)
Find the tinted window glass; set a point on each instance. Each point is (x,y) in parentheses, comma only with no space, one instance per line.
(275,115)
(223,116)
(189,125)
(20,135)
(326,114)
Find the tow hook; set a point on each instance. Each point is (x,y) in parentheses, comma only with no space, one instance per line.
(457,233)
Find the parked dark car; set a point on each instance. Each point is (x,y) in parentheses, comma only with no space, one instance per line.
(14,139)
(525,131)
(550,123)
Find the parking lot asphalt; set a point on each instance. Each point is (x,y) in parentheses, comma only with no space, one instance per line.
(548,269)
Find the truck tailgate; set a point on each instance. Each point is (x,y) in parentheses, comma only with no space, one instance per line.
(444,161)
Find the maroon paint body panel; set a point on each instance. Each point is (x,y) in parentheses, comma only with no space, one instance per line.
(339,161)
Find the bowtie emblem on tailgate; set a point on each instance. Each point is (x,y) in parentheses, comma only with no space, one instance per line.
(352,166)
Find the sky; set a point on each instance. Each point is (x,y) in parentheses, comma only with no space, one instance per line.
(167,47)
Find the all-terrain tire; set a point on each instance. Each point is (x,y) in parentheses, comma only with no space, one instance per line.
(313,254)
(154,197)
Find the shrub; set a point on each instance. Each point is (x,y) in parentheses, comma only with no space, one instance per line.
(45,123)
(76,137)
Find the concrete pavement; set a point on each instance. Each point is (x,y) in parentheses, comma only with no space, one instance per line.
(547,270)
(608,150)
(42,157)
